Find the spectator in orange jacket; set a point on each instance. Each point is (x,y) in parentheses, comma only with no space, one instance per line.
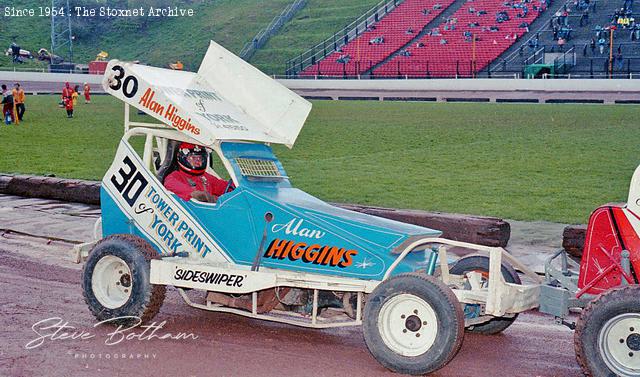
(67,99)
(18,100)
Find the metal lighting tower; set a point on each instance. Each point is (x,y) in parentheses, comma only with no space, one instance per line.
(61,29)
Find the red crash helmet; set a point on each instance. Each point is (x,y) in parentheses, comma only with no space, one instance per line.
(192,158)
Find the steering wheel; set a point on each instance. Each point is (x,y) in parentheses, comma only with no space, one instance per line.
(229,187)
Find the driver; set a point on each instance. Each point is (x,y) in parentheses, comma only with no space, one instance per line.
(191,180)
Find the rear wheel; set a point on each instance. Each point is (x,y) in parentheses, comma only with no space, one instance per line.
(607,337)
(480,263)
(116,280)
(413,324)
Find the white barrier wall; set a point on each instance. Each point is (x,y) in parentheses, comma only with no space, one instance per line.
(433,85)
(12,77)
(438,85)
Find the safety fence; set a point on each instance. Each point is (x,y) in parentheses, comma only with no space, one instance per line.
(276,24)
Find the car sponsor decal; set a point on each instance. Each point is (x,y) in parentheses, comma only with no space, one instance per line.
(310,253)
(296,227)
(213,278)
(169,112)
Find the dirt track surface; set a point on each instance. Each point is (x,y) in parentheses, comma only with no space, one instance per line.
(40,282)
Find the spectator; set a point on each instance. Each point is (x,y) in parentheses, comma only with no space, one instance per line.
(87,93)
(344,58)
(437,6)
(75,95)
(18,100)
(443,41)
(619,60)
(584,18)
(7,105)
(565,33)
(67,99)
(561,43)
(533,43)
(426,11)
(409,31)
(565,18)
(593,46)
(502,16)
(601,44)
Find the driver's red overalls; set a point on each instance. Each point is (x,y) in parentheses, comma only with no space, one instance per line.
(183,184)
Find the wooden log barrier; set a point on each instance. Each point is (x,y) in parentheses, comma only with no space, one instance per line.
(70,190)
(487,231)
(573,239)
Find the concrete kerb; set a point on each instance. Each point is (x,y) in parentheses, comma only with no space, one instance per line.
(487,231)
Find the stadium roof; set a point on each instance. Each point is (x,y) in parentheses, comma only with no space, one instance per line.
(227,99)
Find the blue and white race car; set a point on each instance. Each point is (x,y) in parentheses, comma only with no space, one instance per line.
(265,249)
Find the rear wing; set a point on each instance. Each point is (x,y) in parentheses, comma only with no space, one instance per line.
(227,99)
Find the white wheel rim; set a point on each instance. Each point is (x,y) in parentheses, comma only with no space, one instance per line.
(619,344)
(111,282)
(408,325)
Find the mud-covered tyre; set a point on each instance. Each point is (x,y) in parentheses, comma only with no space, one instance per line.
(607,337)
(480,263)
(115,280)
(413,324)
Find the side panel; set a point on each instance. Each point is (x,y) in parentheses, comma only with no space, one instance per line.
(139,202)
(604,242)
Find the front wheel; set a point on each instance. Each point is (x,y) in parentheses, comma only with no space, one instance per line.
(413,324)
(115,280)
(607,337)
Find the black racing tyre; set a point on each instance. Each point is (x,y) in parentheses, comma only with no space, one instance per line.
(115,280)
(607,337)
(480,263)
(413,324)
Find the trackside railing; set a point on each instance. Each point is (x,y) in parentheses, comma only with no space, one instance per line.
(276,24)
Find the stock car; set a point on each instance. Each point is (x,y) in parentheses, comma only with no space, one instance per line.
(266,249)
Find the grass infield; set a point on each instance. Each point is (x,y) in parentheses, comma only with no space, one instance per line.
(518,161)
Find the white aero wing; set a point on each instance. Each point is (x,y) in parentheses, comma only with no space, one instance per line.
(228,99)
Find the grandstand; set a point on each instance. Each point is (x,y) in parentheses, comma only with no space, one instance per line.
(411,41)
(482,38)
(585,59)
